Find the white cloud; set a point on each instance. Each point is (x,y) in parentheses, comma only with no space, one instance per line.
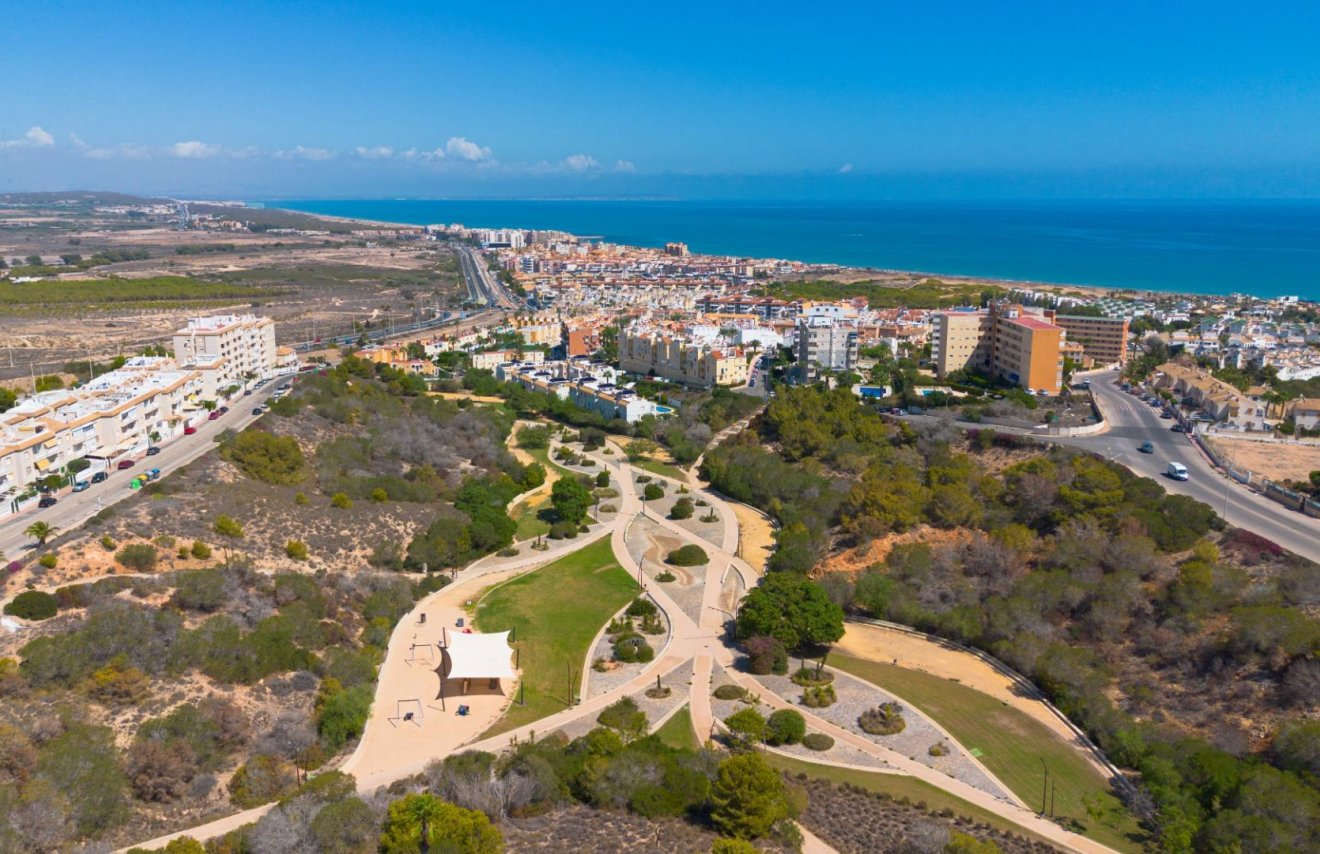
(34,138)
(465,149)
(300,152)
(380,152)
(845,168)
(193,150)
(126,150)
(78,141)
(624,166)
(581,163)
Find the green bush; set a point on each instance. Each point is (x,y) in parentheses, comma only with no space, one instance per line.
(818,741)
(747,725)
(818,696)
(625,717)
(264,457)
(653,492)
(343,713)
(785,726)
(140,557)
(296,549)
(341,500)
(665,576)
(688,555)
(200,550)
(49,560)
(884,719)
(682,509)
(300,498)
(228,526)
(603,479)
(805,676)
(33,605)
(939,749)
(632,647)
(378,494)
(641,607)
(107,543)
(730,692)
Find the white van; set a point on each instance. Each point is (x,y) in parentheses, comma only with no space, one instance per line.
(1177,471)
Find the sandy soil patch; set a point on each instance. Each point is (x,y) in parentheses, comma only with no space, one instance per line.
(853,561)
(756,536)
(1275,460)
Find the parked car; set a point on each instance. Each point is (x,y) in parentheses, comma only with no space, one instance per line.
(215,413)
(1178,428)
(46,501)
(1177,471)
(153,451)
(1146,448)
(258,411)
(1166,415)
(100,477)
(82,486)
(189,431)
(222,410)
(247,391)
(125,464)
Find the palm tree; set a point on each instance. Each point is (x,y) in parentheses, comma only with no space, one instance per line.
(40,531)
(424,810)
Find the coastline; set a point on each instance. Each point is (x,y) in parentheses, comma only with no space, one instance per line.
(859,274)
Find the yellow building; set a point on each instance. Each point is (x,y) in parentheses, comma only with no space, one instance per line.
(1002,341)
(673,358)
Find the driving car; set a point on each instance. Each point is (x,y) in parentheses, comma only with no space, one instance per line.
(46,501)
(215,413)
(1146,448)
(100,477)
(126,464)
(189,431)
(153,451)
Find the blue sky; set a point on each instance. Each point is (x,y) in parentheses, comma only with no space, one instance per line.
(717,99)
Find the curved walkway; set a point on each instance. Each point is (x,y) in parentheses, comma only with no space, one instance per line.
(389,750)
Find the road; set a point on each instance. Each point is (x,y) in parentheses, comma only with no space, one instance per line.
(1132,422)
(74,508)
(484,288)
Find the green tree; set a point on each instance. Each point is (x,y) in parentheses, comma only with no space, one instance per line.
(747,726)
(791,608)
(749,798)
(264,457)
(40,531)
(420,822)
(227,526)
(570,500)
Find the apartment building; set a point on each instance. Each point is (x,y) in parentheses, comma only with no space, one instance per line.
(588,385)
(117,414)
(227,349)
(825,345)
(492,359)
(1103,339)
(1003,341)
(673,357)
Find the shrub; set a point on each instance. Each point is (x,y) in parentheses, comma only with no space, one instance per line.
(682,509)
(665,576)
(625,717)
(939,749)
(631,647)
(884,719)
(640,607)
(227,526)
(603,479)
(48,560)
(818,741)
(300,498)
(688,555)
(262,778)
(653,492)
(805,676)
(608,508)
(379,494)
(765,655)
(730,691)
(643,478)
(563,531)
(341,500)
(785,726)
(107,543)
(264,457)
(200,550)
(137,556)
(748,797)
(33,605)
(183,552)
(818,696)
(296,549)
(747,725)
(507,552)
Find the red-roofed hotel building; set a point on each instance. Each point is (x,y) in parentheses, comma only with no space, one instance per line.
(1002,341)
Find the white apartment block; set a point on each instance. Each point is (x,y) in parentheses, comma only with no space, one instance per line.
(227,349)
(113,416)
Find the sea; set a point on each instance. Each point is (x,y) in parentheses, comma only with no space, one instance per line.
(1262,248)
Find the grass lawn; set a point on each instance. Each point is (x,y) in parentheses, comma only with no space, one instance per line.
(555,612)
(1012,745)
(677,731)
(896,786)
(662,469)
(542,456)
(530,519)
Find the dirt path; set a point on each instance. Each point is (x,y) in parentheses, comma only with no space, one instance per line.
(528,500)
(756,536)
(890,646)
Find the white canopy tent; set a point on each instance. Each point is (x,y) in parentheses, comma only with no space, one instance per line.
(479,656)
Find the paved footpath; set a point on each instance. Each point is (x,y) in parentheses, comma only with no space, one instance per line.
(391,749)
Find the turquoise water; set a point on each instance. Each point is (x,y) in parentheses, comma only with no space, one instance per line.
(1263,248)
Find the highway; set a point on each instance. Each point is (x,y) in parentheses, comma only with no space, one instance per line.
(74,508)
(483,288)
(1132,422)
